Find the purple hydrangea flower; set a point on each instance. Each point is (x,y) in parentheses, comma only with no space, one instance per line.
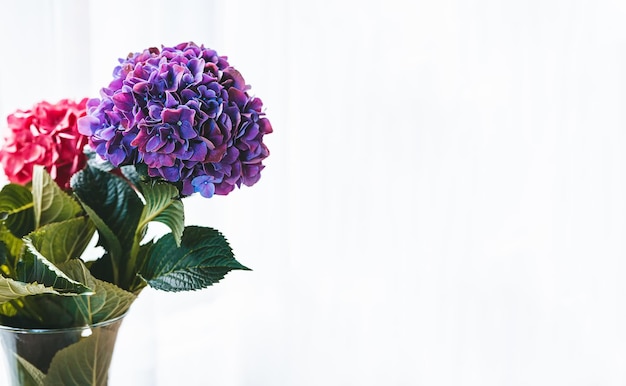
(185,114)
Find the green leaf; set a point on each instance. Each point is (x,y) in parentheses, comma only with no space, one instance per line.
(102,268)
(107,238)
(131,173)
(12,251)
(34,267)
(51,203)
(6,260)
(94,160)
(203,258)
(34,375)
(163,205)
(113,200)
(11,289)
(76,270)
(53,311)
(16,206)
(85,362)
(65,240)
(107,302)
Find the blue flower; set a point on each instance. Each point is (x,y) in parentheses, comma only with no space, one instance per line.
(205,185)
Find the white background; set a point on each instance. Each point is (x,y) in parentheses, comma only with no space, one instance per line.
(445,203)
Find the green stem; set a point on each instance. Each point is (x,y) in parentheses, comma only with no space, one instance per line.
(114,269)
(130,268)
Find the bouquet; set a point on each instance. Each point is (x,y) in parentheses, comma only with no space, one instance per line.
(173,122)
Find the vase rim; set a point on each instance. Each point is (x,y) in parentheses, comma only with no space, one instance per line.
(19,330)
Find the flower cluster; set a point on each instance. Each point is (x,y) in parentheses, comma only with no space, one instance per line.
(185,114)
(45,135)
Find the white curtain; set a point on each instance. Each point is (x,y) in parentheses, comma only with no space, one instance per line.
(445,203)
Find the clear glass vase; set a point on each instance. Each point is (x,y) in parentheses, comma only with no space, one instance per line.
(66,357)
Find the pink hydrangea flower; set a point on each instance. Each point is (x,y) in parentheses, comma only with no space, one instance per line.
(45,135)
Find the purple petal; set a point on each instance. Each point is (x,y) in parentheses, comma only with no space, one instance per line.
(170,173)
(168,148)
(200,151)
(186,131)
(154,144)
(87,125)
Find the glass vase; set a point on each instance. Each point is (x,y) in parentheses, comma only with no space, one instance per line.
(66,357)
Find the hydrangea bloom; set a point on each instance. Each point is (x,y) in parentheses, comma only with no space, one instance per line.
(45,135)
(185,114)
